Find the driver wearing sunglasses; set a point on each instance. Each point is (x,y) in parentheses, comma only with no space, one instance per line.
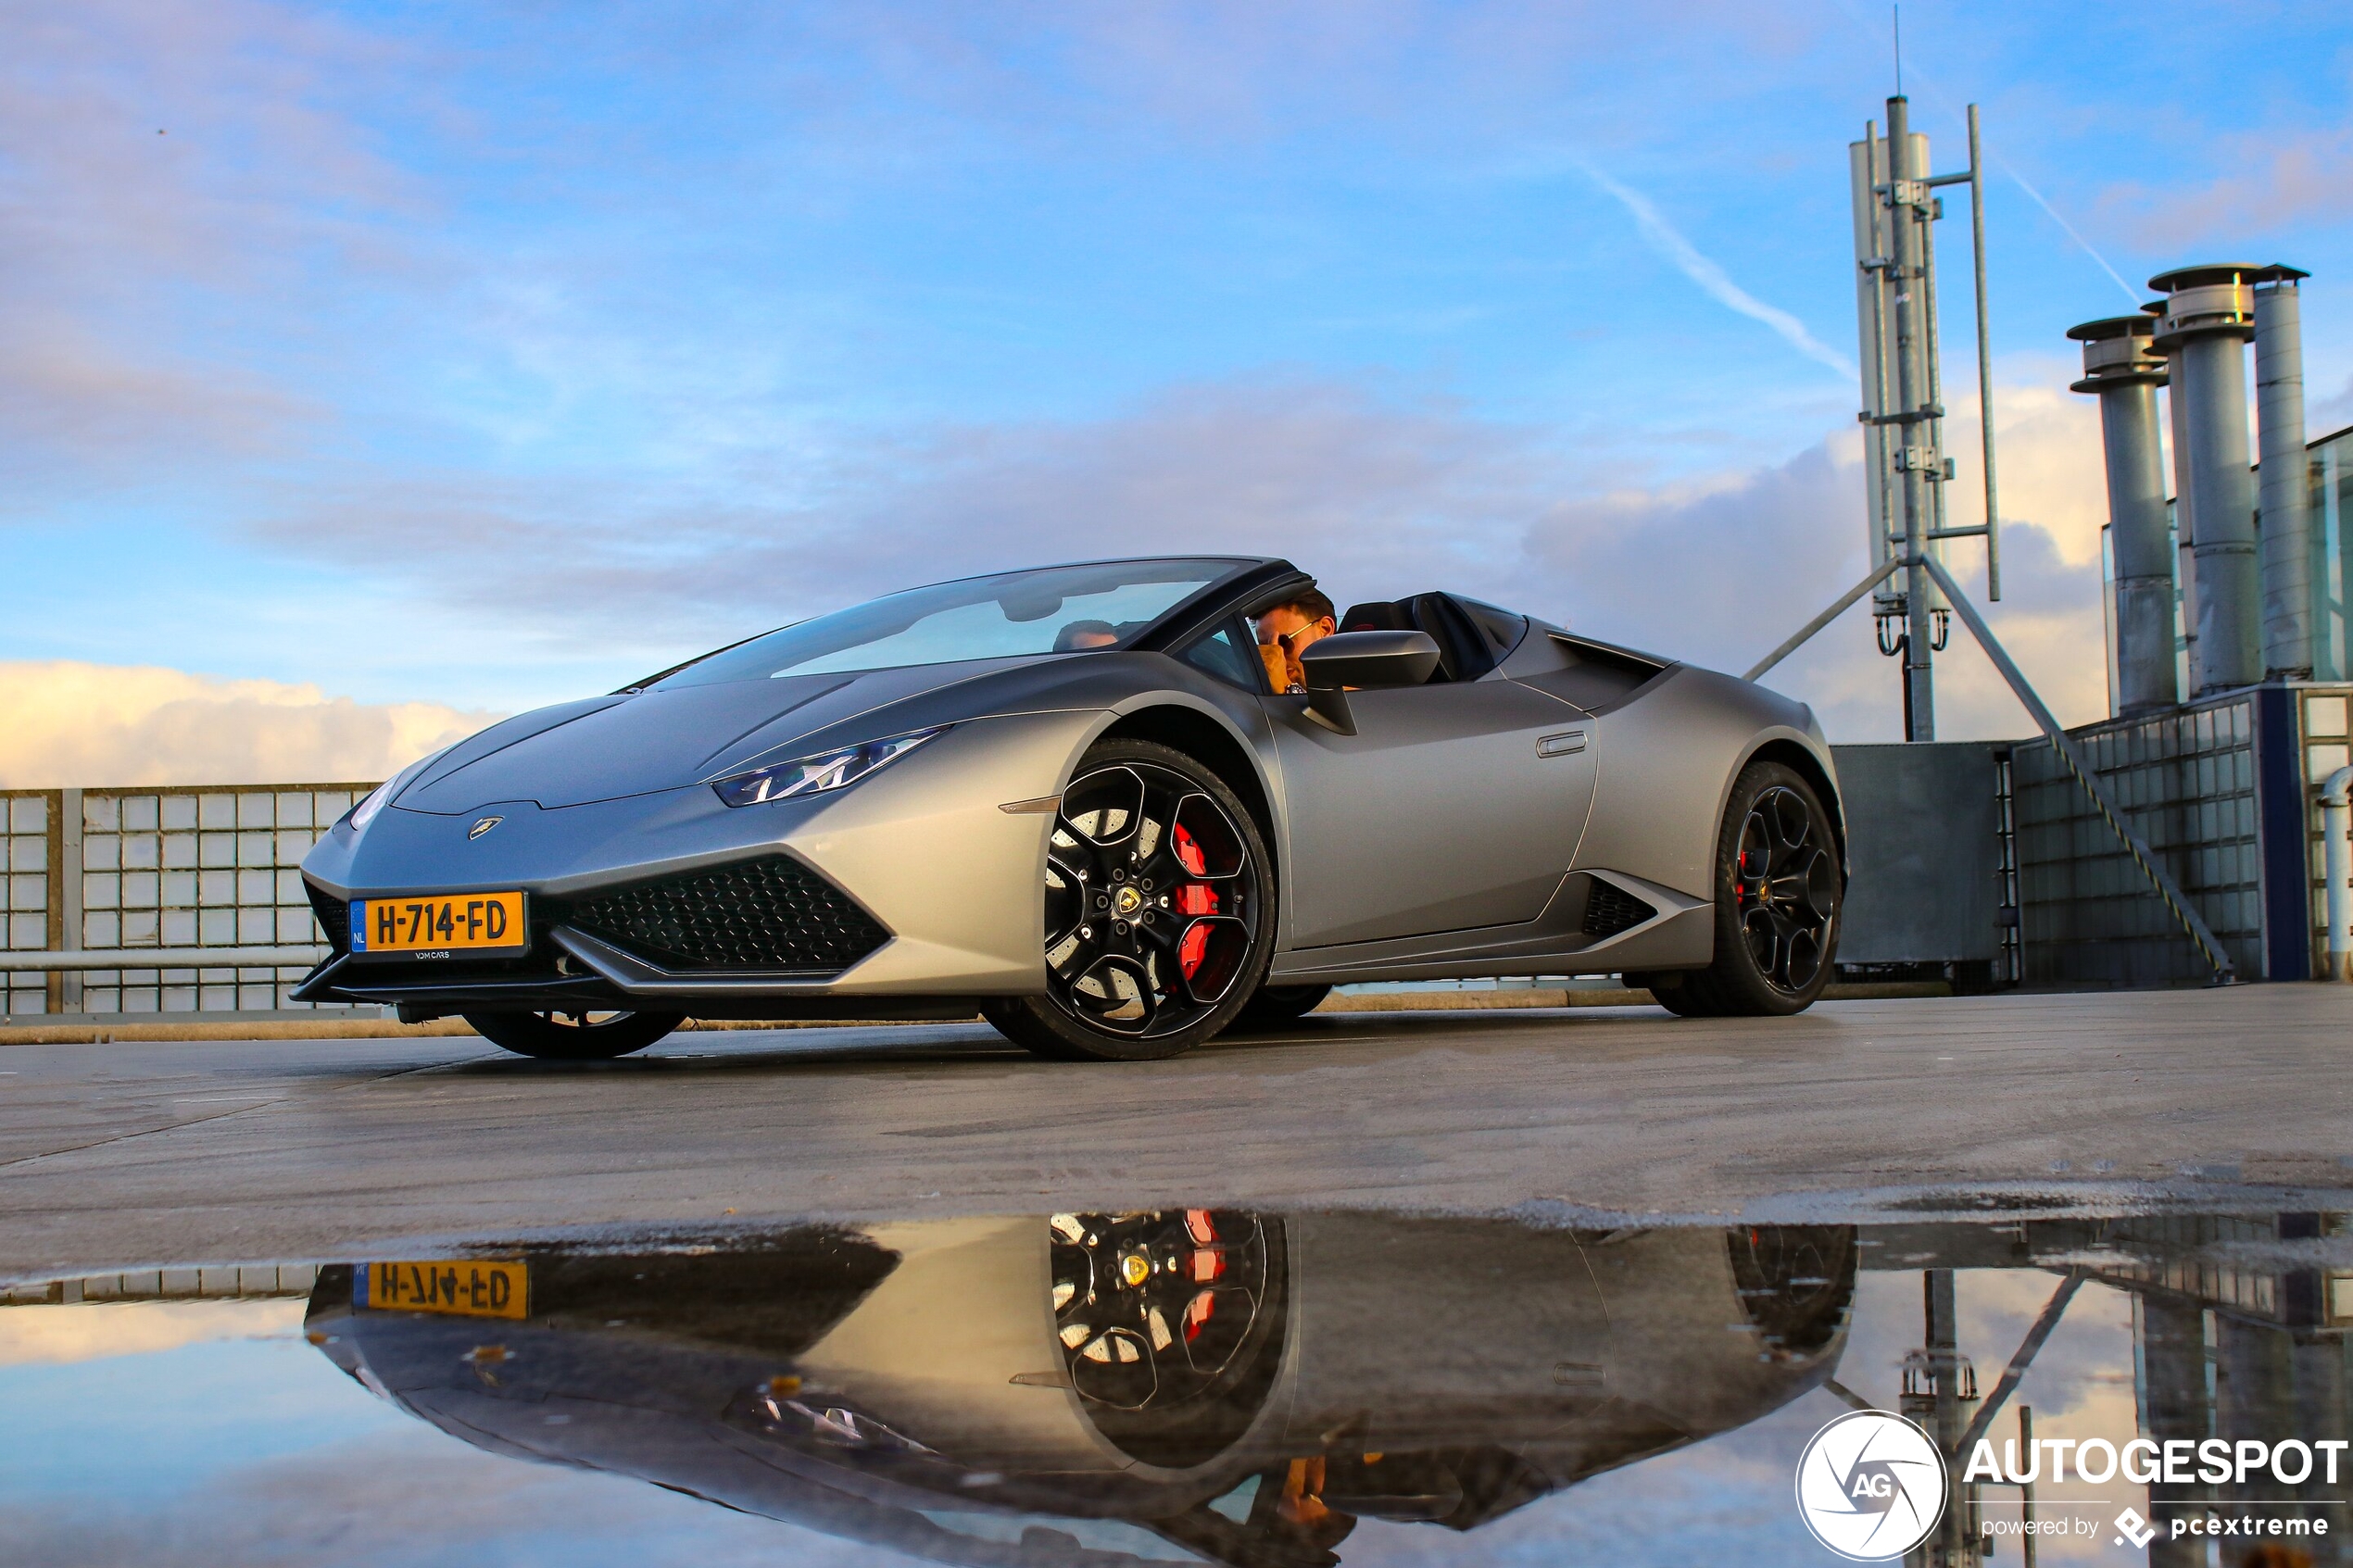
(1286,629)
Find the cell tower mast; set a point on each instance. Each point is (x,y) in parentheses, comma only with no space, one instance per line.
(1902,413)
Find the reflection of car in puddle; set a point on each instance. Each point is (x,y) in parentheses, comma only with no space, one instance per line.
(1100,1388)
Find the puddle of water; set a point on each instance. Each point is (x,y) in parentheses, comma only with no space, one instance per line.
(1258,1389)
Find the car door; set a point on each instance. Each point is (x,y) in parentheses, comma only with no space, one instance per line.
(1454,805)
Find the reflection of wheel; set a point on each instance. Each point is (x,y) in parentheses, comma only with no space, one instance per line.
(1274,1006)
(1778,888)
(1156,924)
(573,1036)
(1171,1325)
(1795,1283)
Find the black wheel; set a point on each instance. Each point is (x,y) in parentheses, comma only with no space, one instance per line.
(1274,1006)
(573,1036)
(1778,891)
(1158,912)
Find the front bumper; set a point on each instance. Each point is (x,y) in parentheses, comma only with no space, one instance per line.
(931,890)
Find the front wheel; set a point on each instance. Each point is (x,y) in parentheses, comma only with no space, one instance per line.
(1778,888)
(573,1036)
(1159,917)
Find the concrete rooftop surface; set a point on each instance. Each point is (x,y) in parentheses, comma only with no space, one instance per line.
(129,1154)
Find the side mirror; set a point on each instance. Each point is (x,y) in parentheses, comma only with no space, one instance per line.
(1367,660)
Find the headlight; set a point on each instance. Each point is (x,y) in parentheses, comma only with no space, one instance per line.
(814,775)
(381,796)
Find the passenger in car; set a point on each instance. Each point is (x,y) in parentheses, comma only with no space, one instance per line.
(1287,628)
(1080,635)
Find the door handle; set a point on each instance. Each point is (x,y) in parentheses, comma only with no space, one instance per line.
(1562,745)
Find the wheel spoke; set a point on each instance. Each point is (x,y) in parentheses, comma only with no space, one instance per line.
(1793,823)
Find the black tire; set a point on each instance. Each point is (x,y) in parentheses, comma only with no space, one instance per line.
(1159,911)
(1779,892)
(1277,1007)
(1667,989)
(585,1037)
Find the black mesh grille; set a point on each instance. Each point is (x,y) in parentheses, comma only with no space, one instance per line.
(771,913)
(333,914)
(1610,910)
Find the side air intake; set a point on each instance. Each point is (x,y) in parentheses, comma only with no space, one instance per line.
(1610,910)
(332,914)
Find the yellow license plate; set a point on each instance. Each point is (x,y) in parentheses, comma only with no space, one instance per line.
(461,1289)
(438,926)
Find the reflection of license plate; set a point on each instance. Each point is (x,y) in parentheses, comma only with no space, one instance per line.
(438,926)
(461,1289)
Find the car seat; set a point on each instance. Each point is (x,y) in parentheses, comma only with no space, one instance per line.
(1463,654)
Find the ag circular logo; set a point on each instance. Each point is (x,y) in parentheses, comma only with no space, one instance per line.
(1871,1486)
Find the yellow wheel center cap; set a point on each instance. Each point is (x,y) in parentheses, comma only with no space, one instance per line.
(1128,900)
(1135,1268)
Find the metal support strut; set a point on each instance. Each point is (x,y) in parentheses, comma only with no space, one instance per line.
(2160,879)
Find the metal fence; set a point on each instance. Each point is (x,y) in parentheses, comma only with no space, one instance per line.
(97,870)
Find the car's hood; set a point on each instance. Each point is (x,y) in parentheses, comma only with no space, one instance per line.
(636,744)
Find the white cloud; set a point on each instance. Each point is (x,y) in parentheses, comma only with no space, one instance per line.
(55,1336)
(71,724)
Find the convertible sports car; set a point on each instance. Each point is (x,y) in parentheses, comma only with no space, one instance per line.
(1071,799)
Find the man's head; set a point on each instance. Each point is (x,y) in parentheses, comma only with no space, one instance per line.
(1285,628)
(1297,620)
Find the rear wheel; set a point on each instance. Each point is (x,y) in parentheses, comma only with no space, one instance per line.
(1778,892)
(1274,1006)
(573,1036)
(1158,905)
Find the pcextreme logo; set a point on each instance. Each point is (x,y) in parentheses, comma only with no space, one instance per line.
(1871,1486)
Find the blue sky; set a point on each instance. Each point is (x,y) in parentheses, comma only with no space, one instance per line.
(480,355)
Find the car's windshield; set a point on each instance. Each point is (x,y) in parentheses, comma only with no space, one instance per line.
(1054,610)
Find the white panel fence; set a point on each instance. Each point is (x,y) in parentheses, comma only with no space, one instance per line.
(123,903)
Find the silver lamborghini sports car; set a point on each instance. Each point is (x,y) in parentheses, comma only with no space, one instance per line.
(1070,799)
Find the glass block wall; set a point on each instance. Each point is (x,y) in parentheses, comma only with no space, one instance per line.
(2331,459)
(131,869)
(28,856)
(199,867)
(2327,719)
(2185,783)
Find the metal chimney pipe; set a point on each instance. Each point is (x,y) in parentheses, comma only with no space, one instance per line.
(2122,369)
(2210,315)
(2184,511)
(2286,518)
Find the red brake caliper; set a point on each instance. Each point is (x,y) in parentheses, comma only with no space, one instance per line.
(1205,1264)
(1193,898)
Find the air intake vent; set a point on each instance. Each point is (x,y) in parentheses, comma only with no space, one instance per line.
(1610,910)
(333,916)
(770,914)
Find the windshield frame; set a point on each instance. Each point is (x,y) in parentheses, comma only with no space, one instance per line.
(1235,566)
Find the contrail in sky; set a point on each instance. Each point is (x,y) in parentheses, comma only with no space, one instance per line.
(2089,249)
(1669,242)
